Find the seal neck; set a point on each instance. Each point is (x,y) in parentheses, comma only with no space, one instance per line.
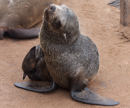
(59,36)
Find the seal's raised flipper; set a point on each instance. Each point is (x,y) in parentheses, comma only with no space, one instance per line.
(81,93)
(23,33)
(36,87)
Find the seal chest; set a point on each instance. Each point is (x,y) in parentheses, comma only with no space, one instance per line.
(68,54)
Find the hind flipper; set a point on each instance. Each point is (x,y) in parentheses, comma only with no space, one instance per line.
(23,33)
(36,87)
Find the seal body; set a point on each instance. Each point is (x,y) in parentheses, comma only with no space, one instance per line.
(68,54)
(23,14)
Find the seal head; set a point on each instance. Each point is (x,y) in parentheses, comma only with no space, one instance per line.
(61,23)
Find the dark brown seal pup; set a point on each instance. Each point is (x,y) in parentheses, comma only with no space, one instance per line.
(18,16)
(71,58)
(34,65)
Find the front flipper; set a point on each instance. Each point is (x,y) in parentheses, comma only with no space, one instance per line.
(87,96)
(81,93)
(36,87)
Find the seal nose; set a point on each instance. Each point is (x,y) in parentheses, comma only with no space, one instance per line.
(53,8)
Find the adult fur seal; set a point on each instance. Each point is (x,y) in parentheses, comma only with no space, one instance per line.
(18,16)
(72,59)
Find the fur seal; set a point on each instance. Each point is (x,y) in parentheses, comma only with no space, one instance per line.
(71,58)
(34,65)
(18,16)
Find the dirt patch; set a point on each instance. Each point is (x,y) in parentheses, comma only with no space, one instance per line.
(101,23)
(124,32)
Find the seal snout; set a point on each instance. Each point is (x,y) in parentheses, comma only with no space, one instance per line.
(49,12)
(52,8)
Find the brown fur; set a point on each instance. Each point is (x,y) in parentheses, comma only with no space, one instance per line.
(22,13)
(68,54)
(34,65)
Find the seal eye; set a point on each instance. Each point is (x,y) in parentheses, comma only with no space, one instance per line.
(56,23)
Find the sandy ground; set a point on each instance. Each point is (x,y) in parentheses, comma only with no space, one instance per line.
(101,23)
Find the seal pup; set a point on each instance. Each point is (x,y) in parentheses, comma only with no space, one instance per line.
(71,58)
(18,16)
(34,65)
